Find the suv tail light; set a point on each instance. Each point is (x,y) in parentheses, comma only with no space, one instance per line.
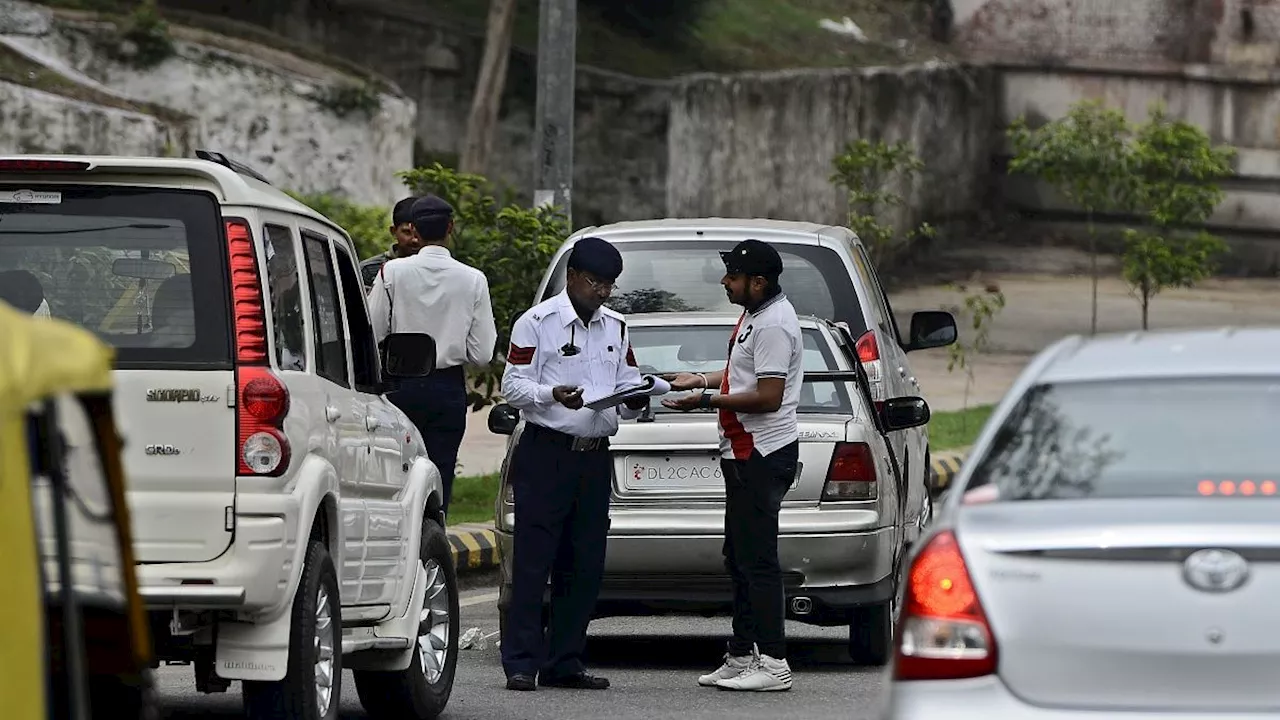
(262,401)
(944,633)
(852,475)
(868,349)
(20,165)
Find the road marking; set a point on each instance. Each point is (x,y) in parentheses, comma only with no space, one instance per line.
(478,599)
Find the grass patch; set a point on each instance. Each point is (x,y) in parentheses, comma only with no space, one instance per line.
(473,498)
(951,430)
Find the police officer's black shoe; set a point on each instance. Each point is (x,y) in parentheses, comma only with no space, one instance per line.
(521,681)
(581,681)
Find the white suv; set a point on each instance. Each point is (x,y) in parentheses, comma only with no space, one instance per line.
(286,516)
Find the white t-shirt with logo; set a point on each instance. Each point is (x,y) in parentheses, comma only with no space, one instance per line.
(766,343)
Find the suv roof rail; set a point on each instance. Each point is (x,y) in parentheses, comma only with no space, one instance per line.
(223,160)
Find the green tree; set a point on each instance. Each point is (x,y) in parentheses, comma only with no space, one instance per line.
(1177,169)
(865,170)
(1085,156)
(979,309)
(510,243)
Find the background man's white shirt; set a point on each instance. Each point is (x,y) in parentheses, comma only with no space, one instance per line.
(434,293)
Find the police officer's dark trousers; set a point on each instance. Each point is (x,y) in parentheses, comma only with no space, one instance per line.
(753,490)
(437,404)
(562,524)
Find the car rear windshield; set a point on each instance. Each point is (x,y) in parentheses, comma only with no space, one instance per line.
(1132,439)
(142,268)
(677,276)
(704,348)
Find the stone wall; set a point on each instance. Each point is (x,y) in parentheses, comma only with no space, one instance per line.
(35,121)
(761,145)
(271,110)
(620,126)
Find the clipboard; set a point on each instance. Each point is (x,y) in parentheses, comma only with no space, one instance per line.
(649,386)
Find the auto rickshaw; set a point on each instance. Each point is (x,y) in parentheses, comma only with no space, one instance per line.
(74,639)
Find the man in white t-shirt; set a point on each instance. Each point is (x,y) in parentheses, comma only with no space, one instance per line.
(759,443)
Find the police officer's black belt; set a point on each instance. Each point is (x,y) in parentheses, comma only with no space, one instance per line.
(565,440)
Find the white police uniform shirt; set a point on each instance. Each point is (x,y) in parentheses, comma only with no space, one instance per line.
(433,293)
(766,343)
(537,363)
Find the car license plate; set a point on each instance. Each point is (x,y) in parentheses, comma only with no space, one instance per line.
(646,472)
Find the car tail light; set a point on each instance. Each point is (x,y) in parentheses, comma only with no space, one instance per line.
(19,165)
(944,633)
(852,475)
(868,349)
(262,400)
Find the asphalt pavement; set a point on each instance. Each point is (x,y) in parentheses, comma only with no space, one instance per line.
(653,664)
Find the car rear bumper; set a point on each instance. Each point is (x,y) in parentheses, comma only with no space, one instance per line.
(824,574)
(987,698)
(251,576)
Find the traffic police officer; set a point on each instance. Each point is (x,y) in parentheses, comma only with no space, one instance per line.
(434,293)
(563,350)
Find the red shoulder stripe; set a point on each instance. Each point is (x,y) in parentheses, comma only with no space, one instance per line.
(631,357)
(520,355)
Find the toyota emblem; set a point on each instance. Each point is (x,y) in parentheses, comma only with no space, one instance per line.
(1215,571)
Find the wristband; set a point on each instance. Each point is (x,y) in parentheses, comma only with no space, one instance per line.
(704,400)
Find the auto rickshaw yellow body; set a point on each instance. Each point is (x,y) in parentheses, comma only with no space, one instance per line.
(74,641)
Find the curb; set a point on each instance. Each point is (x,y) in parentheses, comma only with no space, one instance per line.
(945,467)
(475,547)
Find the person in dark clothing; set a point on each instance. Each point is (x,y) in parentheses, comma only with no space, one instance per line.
(22,290)
(404,242)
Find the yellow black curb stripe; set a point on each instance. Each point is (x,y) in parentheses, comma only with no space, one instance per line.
(473,549)
(945,468)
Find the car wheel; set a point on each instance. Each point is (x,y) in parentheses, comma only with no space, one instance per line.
(312,684)
(871,634)
(421,691)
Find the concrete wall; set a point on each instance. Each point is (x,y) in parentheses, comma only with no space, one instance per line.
(251,102)
(620,126)
(761,145)
(33,121)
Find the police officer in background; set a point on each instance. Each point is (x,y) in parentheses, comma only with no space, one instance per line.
(433,293)
(563,350)
(404,242)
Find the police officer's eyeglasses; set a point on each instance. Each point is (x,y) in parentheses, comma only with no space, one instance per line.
(606,288)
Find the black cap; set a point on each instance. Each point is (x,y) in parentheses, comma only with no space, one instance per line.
(403,211)
(430,207)
(598,257)
(753,257)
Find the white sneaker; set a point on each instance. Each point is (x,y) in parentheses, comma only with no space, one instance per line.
(764,674)
(732,667)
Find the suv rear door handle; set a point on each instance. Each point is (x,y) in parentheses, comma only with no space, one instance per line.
(332,414)
(371,423)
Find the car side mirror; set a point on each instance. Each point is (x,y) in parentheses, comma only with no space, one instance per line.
(408,355)
(932,329)
(503,419)
(904,413)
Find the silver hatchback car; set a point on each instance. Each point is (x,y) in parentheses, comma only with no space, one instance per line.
(1112,546)
(843,525)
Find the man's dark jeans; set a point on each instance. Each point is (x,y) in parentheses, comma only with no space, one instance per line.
(437,404)
(754,489)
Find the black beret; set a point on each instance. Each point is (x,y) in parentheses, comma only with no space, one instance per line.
(598,257)
(431,207)
(403,211)
(753,257)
